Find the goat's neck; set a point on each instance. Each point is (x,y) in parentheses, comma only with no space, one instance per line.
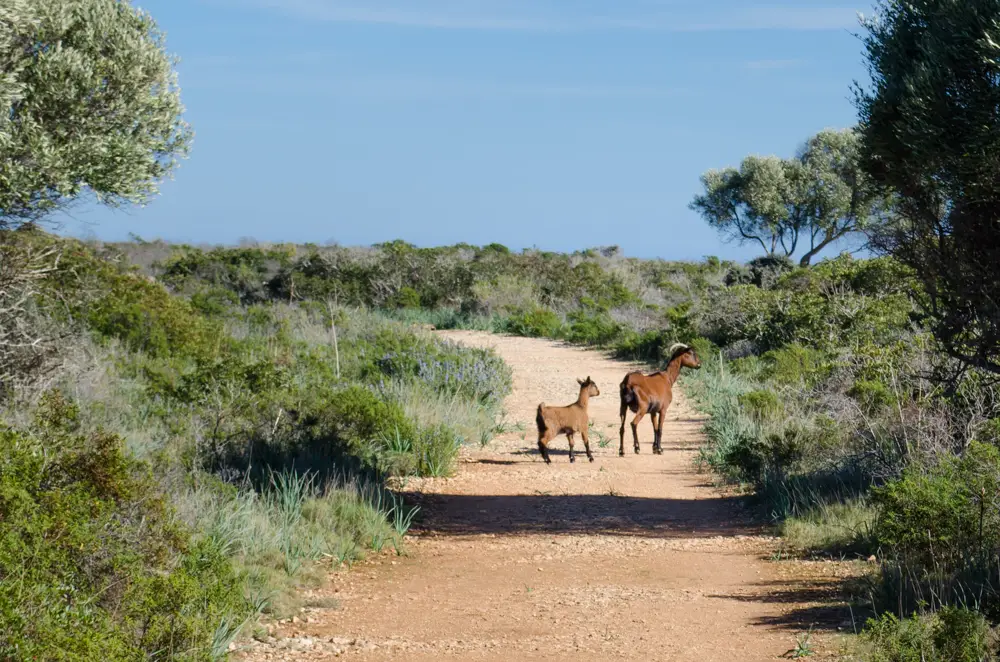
(584,398)
(673,370)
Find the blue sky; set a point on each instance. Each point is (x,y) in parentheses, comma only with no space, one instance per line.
(561,124)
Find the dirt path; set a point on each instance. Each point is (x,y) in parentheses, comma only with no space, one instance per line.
(633,558)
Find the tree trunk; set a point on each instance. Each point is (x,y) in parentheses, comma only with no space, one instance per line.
(813,252)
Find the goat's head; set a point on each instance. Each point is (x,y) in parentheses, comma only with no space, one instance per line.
(686,354)
(589,384)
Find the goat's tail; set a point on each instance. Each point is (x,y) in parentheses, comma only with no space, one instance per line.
(539,418)
(626,392)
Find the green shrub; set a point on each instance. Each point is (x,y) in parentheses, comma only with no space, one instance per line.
(706,350)
(505,294)
(242,271)
(761,405)
(648,346)
(214,302)
(118,303)
(406,297)
(756,458)
(436,449)
(990,432)
(940,519)
(681,323)
(94,565)
(872,395)
(838,303)
(939,530)
(588,327)
(796,365)
(951,635)
(360,418)
(761,271)
(534,323)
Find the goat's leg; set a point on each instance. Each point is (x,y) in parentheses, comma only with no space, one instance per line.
(543,446)
(659,433)
(586,444)
(635,429)
(572,457)
(621,433)
(653,417)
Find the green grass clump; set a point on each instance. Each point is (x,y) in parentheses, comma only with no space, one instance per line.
(835,529)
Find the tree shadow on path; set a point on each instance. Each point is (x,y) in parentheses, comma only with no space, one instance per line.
(593,514)
(817,604)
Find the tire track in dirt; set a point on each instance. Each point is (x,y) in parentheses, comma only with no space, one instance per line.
(633,558)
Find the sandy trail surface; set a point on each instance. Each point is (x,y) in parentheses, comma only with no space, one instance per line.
(634,558)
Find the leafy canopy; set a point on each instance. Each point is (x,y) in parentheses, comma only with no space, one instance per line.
(786,205)
(931,127)
(88,100)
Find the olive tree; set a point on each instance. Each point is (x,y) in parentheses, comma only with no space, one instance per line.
(793,206)
(90,102)
(930,122)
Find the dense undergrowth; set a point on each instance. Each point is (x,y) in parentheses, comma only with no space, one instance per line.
(173,466)
(829,401)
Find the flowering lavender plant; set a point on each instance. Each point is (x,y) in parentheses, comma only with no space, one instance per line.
(477,374)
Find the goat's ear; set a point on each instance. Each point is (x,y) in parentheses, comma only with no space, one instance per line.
(588,380)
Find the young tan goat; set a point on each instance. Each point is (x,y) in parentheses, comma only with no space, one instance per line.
(568,420)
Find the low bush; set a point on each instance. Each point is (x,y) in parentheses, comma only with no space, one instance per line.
(796,365)
(872,395)
(93,563)
(938,519)
(595,328)
(533,323)
(243,271)
(116,302)
(939,531)
(950,635)
(649,346)
(505,294)
(761,405)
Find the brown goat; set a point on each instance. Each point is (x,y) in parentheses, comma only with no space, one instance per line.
(652,394)
(568,420)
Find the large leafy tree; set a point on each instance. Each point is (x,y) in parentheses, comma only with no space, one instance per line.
(793,206)
(930,122)
(88,102)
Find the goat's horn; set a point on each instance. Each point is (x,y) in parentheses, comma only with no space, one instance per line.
(676,346)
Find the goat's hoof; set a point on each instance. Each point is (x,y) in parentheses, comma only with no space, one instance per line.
(590,457)
(621,453)
(572,459)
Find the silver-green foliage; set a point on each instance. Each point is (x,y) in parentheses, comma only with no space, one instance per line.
(793,206)
(88,101)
